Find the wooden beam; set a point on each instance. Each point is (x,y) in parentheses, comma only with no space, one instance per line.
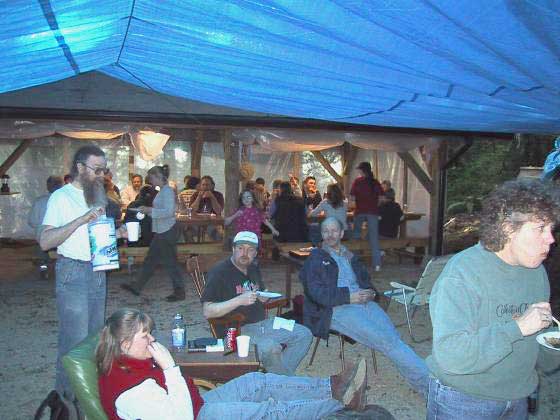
(231,169)
(130,158)
(405,188)
(438,199)
(417,170)
(296,164)
(196,150)
(319,156)
(16,154)
(349,153)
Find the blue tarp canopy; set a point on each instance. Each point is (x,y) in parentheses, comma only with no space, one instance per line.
(459,65)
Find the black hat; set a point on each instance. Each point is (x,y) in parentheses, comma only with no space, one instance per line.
(364,166)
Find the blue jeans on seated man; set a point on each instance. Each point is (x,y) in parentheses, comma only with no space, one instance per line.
(448,403)
(373,234)
(269,345)
(269,396)
(369,325)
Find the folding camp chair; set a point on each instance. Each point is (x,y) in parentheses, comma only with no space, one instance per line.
(420,295)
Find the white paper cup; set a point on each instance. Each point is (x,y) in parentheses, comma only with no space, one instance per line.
(133,231)
(243,345)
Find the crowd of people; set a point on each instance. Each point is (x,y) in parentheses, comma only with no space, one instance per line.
(483,359)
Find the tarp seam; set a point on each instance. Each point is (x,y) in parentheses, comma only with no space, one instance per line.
(53,24)
(127,29)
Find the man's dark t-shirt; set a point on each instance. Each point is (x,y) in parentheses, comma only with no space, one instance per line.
(225,281)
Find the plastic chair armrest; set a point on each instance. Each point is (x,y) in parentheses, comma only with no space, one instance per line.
(397,285)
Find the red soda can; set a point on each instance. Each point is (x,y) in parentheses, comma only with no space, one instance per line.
(231,335)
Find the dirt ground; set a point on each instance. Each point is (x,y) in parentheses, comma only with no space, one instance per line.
(29,327)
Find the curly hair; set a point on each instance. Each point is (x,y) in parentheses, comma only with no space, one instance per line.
(511,205)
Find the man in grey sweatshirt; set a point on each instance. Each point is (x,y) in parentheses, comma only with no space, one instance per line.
(487,306)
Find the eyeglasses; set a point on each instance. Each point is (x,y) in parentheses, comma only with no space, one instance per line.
(96,171)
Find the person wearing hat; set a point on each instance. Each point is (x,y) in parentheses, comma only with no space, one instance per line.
(365,193)
(390,215)
(232,287)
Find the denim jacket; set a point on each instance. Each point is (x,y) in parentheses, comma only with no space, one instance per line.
(319,277)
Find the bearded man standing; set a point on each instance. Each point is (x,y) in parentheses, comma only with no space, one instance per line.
(80,292)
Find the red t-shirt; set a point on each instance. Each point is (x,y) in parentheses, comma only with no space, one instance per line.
(365,196)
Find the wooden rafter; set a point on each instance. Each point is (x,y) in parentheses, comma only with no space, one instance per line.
(417,170)
(16,154)
(323,161)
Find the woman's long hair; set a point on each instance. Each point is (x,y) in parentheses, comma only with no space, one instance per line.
(365,167)
(286,190)
(121,326)
(256,203)
(162,171)
(335,196)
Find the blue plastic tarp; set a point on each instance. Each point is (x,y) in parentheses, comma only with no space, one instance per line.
(463,65)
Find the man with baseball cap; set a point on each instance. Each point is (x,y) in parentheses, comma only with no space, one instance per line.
(232,287)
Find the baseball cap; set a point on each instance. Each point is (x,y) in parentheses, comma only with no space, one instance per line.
(246,237)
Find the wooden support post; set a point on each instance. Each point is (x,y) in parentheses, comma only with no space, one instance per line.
(16,154)
(405,187)
(196,152)
(417,170)
(348,156)
(296,168)
(438,199)
(231,169)
(323,161)
(130,158)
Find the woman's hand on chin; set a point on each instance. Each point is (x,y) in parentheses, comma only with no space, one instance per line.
(161,355)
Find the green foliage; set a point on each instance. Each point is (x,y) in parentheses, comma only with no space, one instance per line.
(479,170)
(489,163)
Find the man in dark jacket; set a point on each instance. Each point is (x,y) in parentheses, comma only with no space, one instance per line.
(339,295)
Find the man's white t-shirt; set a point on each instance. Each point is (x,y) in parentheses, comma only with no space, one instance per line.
(66,204)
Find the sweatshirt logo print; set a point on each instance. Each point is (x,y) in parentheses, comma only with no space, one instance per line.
(247,286)
(510,309)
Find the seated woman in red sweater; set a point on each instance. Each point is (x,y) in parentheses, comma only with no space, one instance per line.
(139,380)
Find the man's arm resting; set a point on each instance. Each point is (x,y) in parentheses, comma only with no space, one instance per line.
(218,309)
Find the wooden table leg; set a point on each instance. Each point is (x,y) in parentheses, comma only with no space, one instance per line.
(289,271)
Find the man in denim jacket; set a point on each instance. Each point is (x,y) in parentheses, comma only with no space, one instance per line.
(339,296)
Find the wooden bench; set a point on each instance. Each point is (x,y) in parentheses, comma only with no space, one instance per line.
(130,255)
(361,246)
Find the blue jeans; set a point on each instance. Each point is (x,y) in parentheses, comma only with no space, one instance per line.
(268,341)
(369,325)
(447,403)
(268,396)
(80,303)
(373,234)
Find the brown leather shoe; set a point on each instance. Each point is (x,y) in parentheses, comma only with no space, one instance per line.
(349,386)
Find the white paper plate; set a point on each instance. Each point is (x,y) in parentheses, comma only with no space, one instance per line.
(541,339)
(270,295)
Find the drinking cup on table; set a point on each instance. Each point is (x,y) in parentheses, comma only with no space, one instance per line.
(243,345)
(133,231)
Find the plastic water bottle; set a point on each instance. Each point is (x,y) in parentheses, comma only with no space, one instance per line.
(179,332)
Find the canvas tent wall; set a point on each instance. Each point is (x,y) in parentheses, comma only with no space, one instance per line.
(271,159)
